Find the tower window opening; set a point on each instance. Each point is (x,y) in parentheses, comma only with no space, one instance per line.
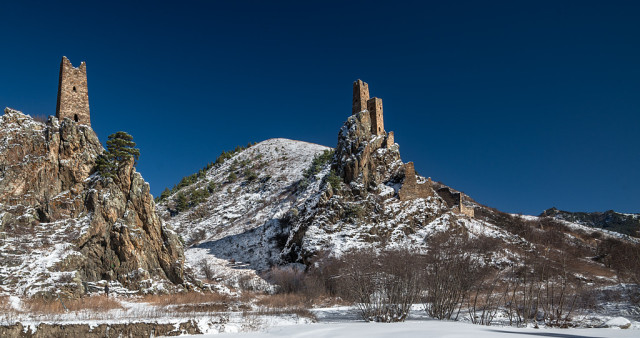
(75,116)
(74,88)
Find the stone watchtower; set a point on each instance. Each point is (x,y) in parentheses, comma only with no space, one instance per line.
(361,101)
(73,95)
(360,96)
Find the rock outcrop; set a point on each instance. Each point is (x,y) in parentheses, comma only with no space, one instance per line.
(381,201)
(141,329)
(63,226)
(362,158)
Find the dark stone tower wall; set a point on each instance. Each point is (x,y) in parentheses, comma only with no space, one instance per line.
(73,95)
(360,96)
(374,106)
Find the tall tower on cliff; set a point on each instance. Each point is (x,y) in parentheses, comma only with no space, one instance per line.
(73,95)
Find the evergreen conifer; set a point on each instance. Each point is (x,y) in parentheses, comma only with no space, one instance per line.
(120,150)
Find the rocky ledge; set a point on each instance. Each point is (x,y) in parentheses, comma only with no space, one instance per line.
(63,227)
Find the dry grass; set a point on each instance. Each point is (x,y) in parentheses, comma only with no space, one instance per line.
(185,298)
(99,303)
(282,304)
(190,302)
(284,300)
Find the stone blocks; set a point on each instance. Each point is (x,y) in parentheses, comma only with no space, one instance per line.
(73,95)
(374,106)
(411,189)
(360,96)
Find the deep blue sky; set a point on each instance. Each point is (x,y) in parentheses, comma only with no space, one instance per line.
(523,105)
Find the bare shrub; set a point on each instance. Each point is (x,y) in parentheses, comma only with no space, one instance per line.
(248,282)
(485,300)
(451,273)
(206,269)
(198,213)
(624,259)
(289,279)
(311,285)
(543,291)
(384,286)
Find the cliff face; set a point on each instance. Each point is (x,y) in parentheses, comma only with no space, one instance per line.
(379,202)
(61,226)
(363,159)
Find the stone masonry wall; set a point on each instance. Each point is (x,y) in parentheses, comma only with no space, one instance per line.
(73,94)
(411,189)
(463,209)
(374,106)
(389,141)
(360,96)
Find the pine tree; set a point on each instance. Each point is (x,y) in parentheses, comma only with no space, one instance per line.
(181,202)
(165,193)
(120,150)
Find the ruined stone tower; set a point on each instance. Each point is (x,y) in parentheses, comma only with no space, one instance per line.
(360,96)
(374,106)
(361,101)
(73,95)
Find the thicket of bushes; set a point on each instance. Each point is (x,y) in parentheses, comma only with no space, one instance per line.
(451,277)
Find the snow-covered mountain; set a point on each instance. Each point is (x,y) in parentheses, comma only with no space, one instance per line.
(283,201)
(627,224)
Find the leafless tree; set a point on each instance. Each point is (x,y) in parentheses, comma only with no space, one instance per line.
(383,286)
(450,273)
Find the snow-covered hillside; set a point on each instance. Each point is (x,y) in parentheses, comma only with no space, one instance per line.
(267,207)
(241,220)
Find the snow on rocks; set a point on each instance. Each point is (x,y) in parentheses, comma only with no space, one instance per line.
(618,323)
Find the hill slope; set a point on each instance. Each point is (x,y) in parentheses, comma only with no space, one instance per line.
(62,226)
(242,218)
(284,201)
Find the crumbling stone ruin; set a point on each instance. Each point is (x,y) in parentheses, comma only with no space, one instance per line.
(360,96)
(361,101)
(463,209)
(411,189)
(73,95)
(455,201)
(358,153)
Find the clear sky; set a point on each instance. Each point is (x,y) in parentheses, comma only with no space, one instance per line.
(523,105)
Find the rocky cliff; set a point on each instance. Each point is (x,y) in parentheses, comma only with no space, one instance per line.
(63,227)
(378,201)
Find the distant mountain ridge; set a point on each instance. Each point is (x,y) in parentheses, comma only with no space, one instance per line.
(627,224)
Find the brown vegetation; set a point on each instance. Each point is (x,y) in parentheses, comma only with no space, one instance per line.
(4,304)
(185,298)
(98,303)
